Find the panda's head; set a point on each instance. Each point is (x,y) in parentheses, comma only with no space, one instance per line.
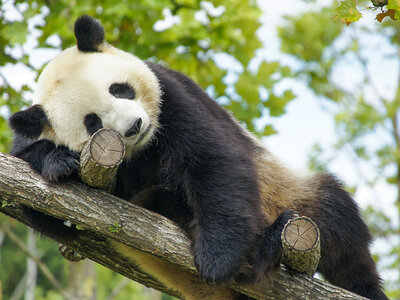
(90,86)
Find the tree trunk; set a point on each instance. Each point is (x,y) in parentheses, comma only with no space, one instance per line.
(100,213)
(82,280)
(31,268)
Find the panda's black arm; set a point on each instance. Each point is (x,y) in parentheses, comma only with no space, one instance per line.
(31,151)
(49,160)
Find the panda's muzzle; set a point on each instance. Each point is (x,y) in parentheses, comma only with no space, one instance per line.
(135,128)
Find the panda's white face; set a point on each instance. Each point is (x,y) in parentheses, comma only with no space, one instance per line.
(112,86)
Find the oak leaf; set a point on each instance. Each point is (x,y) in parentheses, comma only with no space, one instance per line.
(389,13)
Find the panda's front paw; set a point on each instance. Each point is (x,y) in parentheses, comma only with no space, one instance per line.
(61,162)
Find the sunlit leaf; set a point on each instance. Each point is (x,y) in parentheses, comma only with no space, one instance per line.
(265,72)
(347,12)
(277,104)
(245,87)
(269,130)
(395,5)
(15,33)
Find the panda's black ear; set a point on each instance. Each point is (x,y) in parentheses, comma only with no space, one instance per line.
(89,34)
(29,123)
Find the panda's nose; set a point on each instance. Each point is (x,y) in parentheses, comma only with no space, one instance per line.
(135,128)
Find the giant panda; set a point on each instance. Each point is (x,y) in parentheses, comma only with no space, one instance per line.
(189,160)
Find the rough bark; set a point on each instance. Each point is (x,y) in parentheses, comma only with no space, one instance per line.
(107,217)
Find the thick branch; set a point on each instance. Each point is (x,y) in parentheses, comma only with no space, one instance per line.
(137,228)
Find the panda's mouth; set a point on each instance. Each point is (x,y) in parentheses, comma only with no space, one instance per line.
(135,140)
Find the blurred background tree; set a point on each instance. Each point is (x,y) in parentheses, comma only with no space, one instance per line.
(355,72)
(215,44)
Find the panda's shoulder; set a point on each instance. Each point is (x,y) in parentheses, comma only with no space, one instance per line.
(165,75)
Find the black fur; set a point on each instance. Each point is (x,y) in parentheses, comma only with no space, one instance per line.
(92,123)
(199,172)
(29,122)
(89,34)
(122,90)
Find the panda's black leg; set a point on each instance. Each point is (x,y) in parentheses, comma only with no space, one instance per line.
(345,258)
(221,245)
(49,226)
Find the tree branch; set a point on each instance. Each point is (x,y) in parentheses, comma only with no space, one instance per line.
(141,229)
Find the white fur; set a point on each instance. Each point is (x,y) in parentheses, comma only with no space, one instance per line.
(76,84)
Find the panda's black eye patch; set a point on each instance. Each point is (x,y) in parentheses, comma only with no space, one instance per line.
(122,90)
(92,123)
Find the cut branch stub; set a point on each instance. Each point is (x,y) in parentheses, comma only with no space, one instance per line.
(100,159)
(301,245)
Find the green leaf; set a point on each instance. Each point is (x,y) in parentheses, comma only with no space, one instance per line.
(80,227)
(269,130)
(246,88)
(265,72)
(115,228)
(361,152)
(395,5)
(277,104)
(15,33)
(347,12)
(4,203)
(391,179)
